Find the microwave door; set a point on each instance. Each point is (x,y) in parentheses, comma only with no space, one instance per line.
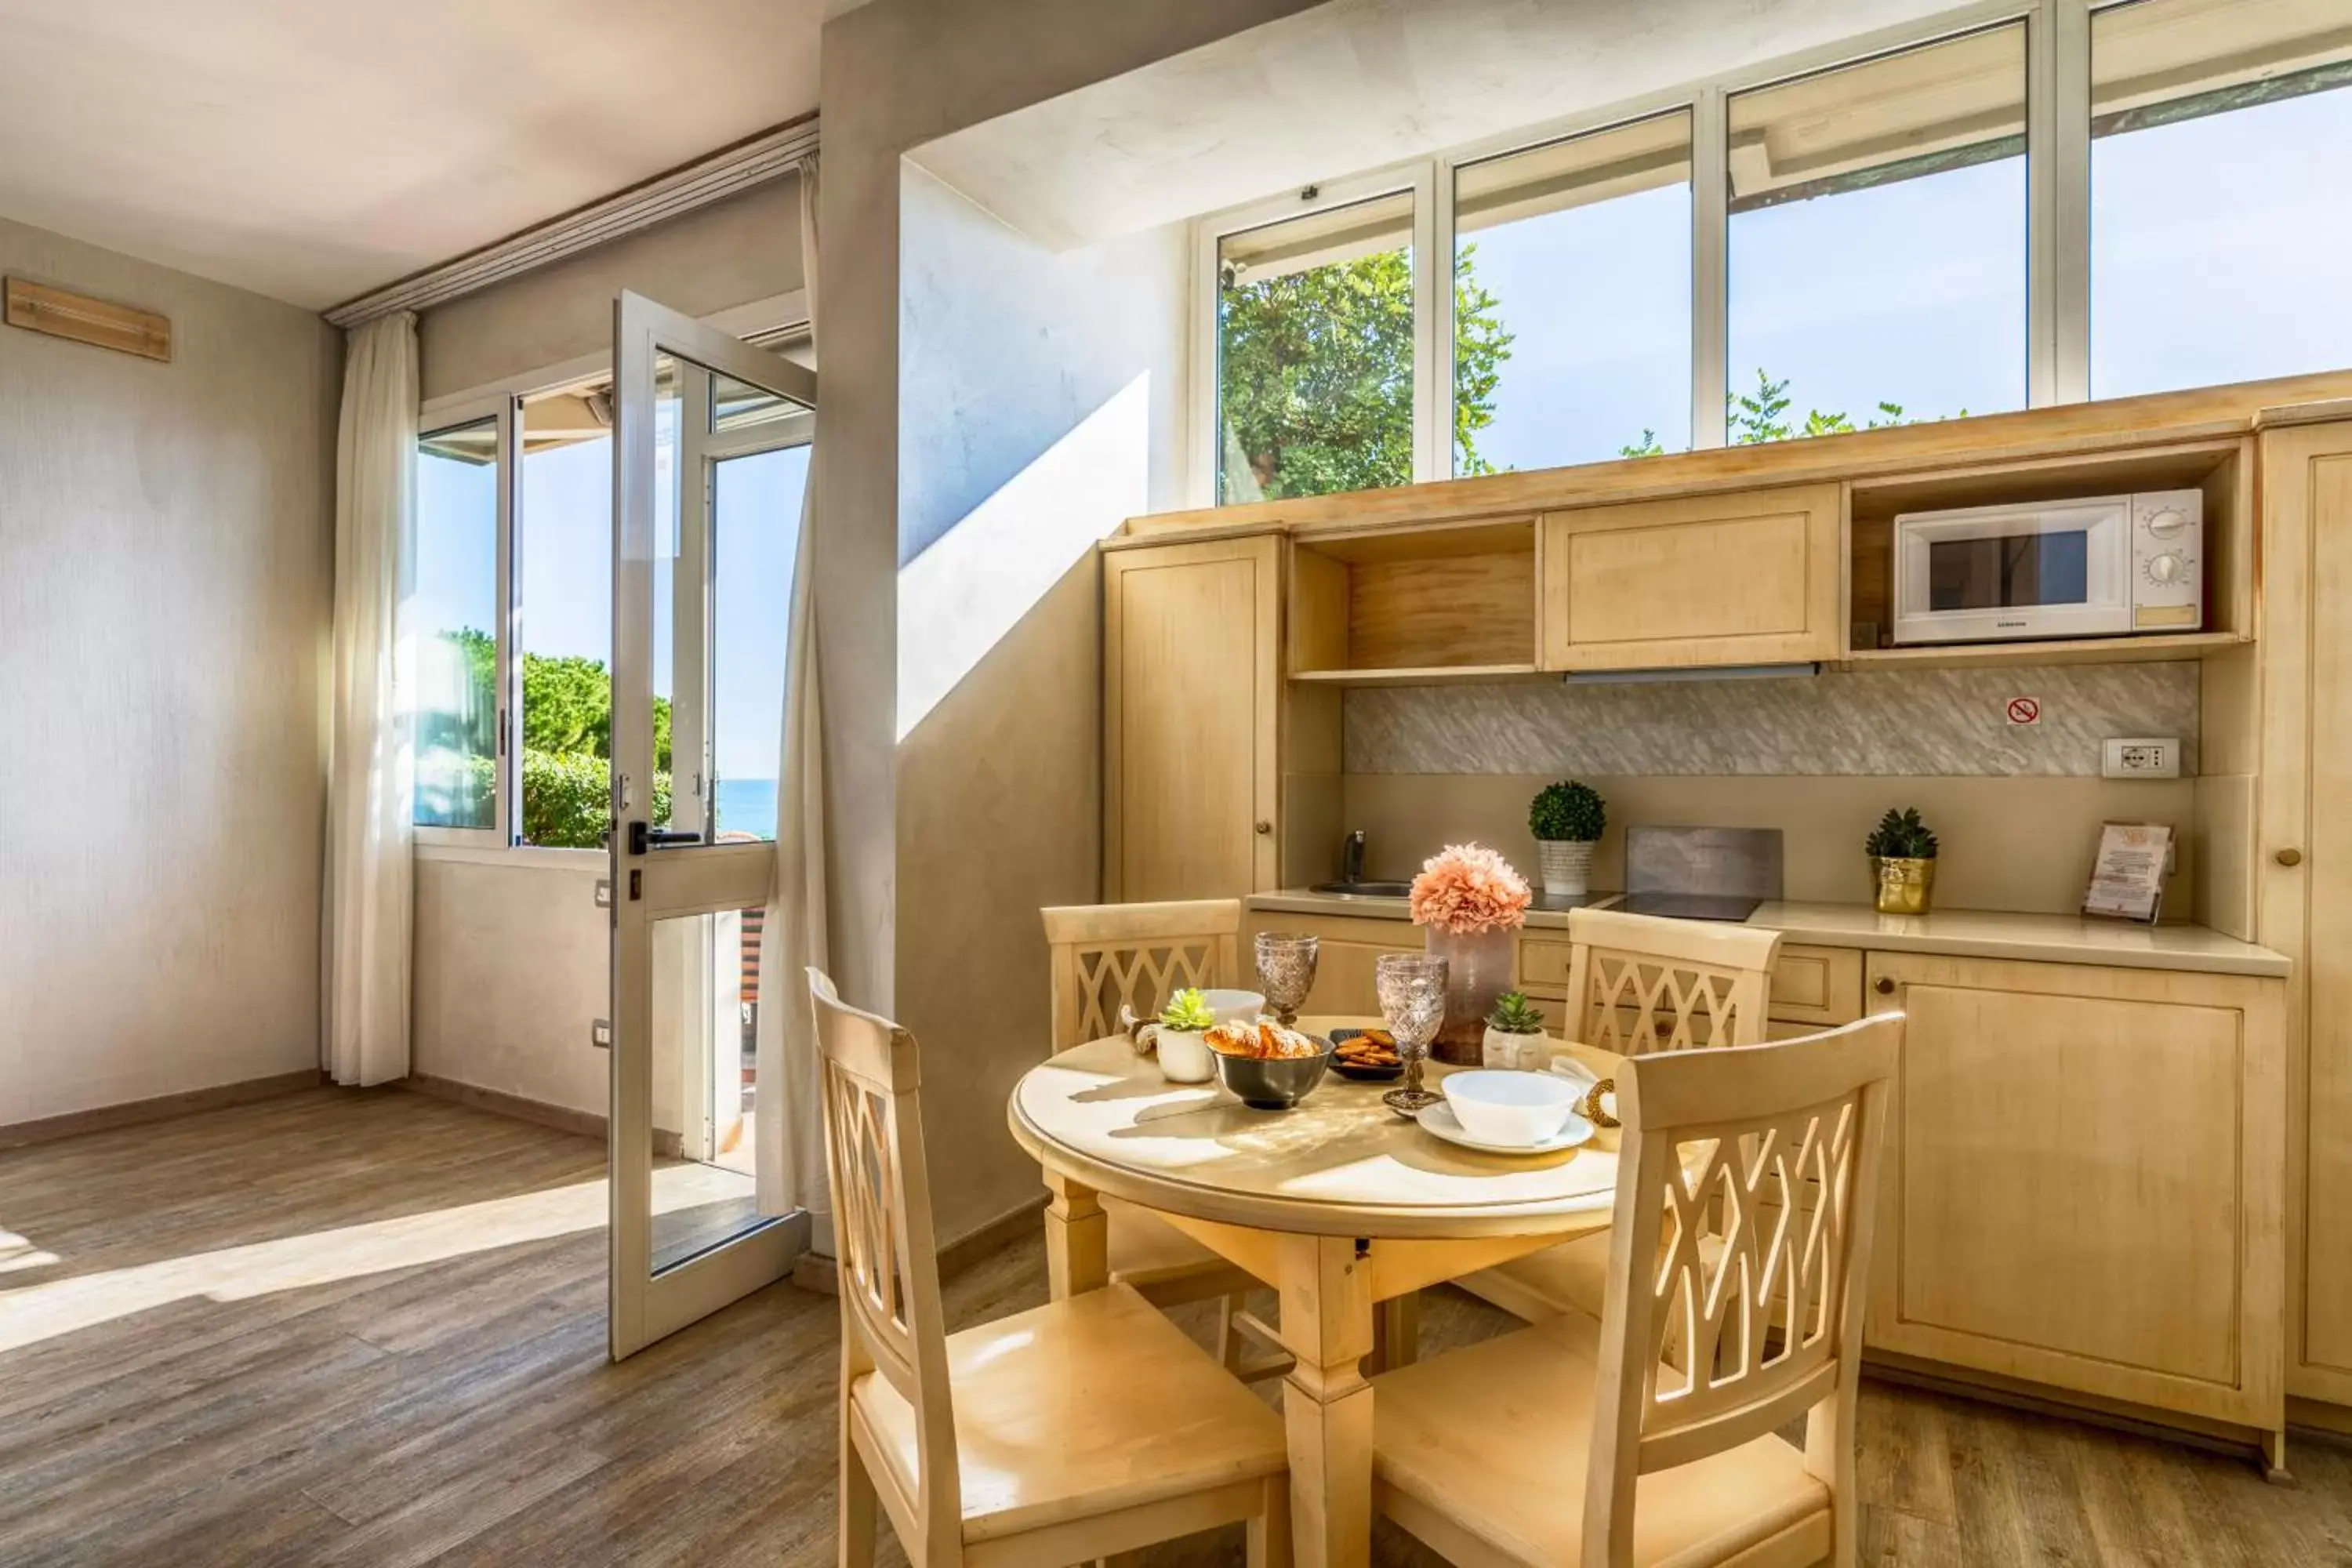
(2000,574)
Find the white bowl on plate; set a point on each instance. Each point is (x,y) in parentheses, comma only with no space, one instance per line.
(1518,1110)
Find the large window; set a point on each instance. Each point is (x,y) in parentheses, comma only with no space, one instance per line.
(1315,353)
(1573,299)
(452,625)
(2220,192)
(1876,234)
(2054,200)
(534,767)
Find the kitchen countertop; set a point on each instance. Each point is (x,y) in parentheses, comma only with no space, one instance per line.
(1958,933)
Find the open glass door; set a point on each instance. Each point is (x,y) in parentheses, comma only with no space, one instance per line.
(711,438)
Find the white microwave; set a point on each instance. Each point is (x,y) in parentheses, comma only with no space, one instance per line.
(2109,566)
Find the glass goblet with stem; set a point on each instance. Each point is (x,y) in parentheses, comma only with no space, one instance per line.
(1286,972)
(1412,989)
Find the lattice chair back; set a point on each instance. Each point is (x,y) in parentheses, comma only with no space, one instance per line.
(1769,1154)
(891,1323)
(1105,955)
(1637,984)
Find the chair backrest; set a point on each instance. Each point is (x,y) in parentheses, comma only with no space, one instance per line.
(1637,984)
(1770,1153)
(891,1323)
(1107,955)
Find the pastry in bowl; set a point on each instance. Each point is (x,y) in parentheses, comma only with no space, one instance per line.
(1269,1067)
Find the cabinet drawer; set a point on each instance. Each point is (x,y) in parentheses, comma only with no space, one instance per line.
(1816,985)
(1544,964)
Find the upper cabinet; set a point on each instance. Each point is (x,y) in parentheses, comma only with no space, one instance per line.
(1750,577)
(1192,705)
(1453,602)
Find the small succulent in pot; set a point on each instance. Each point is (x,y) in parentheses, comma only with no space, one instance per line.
(1515,1034)
(1568,819)
(1902,853)
(1181,1037)
(1188,1011)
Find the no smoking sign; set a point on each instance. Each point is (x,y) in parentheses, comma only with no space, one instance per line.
(2025,710)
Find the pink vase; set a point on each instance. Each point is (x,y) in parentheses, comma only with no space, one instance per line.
(1477,970)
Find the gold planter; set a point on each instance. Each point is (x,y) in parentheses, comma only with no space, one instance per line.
(1907,884)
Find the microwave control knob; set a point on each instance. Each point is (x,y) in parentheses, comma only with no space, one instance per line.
(2166,524)
(2164,569)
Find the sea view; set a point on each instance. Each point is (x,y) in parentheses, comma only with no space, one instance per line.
(747,805)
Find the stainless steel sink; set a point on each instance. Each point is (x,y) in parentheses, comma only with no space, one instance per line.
(1363,890)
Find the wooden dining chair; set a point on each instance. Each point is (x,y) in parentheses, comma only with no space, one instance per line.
(1108,955)
(1080,1429)
(1477,1452)
(1637,984)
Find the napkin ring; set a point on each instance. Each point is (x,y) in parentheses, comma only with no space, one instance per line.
(1589,1106)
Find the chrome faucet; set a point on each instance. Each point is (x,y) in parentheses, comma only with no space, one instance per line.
(1351,857)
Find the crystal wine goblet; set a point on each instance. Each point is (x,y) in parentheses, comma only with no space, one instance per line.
(1412,989)
(1286,972)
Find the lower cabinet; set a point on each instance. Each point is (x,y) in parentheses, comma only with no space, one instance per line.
(2085,1181)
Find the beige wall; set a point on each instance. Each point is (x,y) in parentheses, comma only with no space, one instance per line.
(510,973)
(166,571)
(898,73)
(745,248)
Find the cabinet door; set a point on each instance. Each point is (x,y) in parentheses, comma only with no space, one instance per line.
(2304,909)
(1191,689)
(2085,1181)
(1750,578)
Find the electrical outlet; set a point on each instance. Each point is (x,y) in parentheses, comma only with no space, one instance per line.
(2140,759)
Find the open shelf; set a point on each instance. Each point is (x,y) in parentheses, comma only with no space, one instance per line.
(1415,607)
(2223,471)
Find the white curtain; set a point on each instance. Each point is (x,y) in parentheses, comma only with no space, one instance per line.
(788,1136)
(364,947)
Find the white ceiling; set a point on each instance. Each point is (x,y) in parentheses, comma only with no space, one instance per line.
(1351,86)
(311,149)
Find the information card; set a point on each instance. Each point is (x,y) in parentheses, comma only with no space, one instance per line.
(2127,878)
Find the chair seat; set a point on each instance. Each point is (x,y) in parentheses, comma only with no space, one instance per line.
(1169,1266)
(1570,1278)
(1493,1441)
(1078,1408)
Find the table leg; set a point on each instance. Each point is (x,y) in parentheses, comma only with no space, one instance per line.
(1077,1238)
(1326,1324)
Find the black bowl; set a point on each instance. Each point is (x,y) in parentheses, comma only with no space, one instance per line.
(1272,1083)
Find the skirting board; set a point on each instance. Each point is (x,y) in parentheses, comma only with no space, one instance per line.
(163,1108)
(563,1118)
(815,1271)
(2172,1426)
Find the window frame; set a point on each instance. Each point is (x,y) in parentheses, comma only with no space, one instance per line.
(2057,241)
(778,323)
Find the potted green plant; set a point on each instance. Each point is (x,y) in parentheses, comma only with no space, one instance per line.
(1902,862)
(1515,1034)
(1567,819)
(1181,1037)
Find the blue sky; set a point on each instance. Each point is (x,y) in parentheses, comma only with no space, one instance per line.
(2214,260)
(565,564)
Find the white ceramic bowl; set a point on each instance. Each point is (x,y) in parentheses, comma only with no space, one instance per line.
(1520,1108)
(1235,1007)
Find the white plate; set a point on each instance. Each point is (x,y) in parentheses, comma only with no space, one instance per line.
(1440,1120)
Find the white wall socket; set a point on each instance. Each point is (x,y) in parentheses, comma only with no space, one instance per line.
(2140,759)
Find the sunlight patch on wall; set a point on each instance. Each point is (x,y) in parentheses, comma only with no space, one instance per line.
(959,597)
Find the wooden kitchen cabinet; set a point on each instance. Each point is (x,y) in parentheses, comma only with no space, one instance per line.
(2304,890)
(1191,703)
(1751,577)
(2085,1181)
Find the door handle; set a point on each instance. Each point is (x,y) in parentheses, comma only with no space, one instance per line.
(2288,857)
(1884,984)
(644,836)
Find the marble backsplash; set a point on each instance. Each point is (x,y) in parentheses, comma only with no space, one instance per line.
(1920,723)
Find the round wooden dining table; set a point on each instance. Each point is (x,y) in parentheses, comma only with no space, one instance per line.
(1340,1204)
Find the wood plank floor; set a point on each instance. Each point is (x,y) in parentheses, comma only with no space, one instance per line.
(343,1327)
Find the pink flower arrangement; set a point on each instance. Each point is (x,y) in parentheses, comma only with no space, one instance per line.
(1469,888)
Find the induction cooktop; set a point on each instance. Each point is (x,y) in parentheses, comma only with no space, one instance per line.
(1689,906)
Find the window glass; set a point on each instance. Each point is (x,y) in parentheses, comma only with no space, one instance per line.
(564,573)
(453,617)
(1315,353)
(756,522)
(1572,301)
(1876,239)
(2220,192)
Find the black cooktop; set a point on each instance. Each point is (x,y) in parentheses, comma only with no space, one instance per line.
(1689,906)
